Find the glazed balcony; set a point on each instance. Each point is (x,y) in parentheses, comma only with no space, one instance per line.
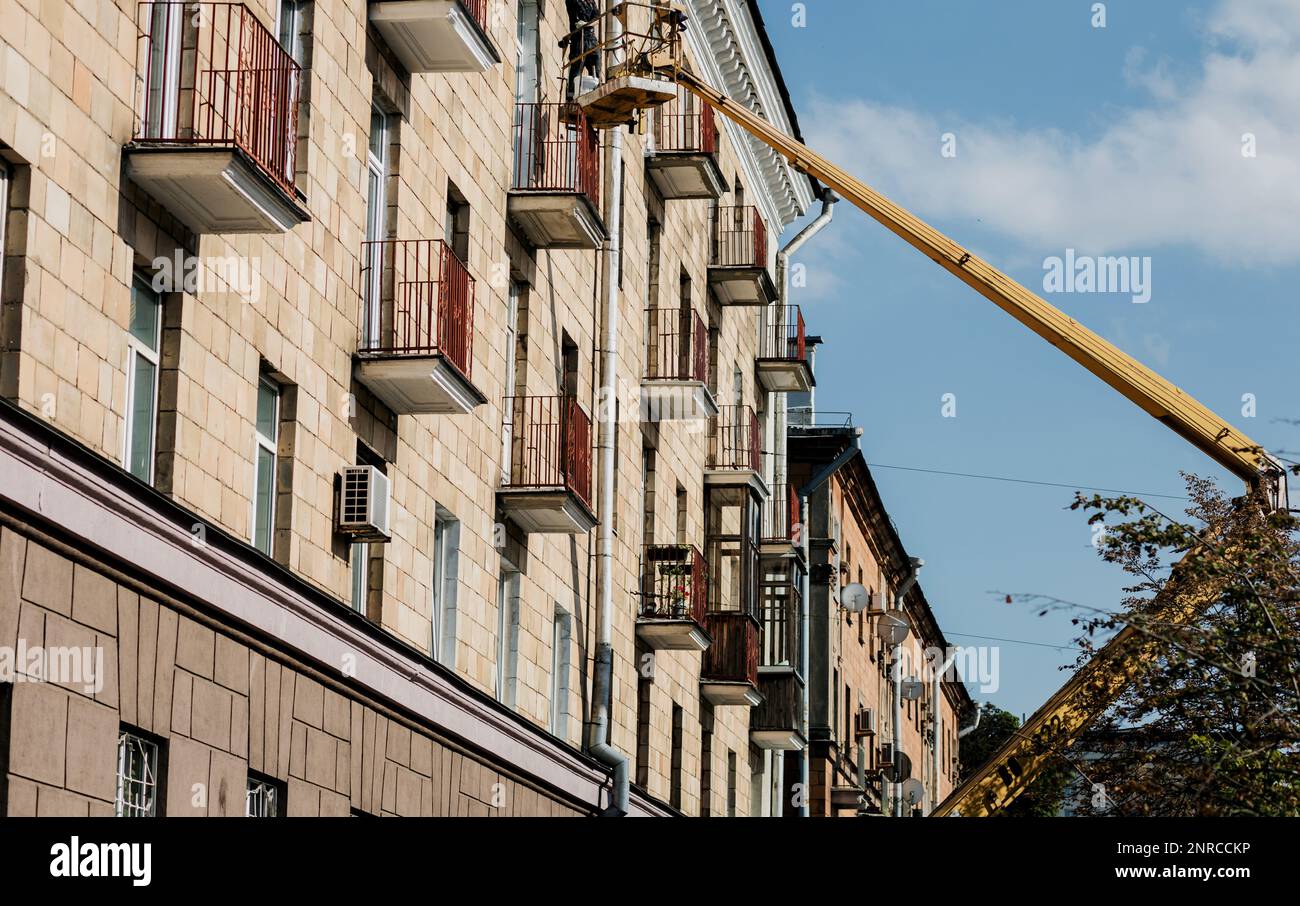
(437,35)
(778,722)
(783,365)
(547,487)
(416,351)
(729,669)
(738,264)
(675,386)
(555,185)
(217,119)
(674,589)
(684,159)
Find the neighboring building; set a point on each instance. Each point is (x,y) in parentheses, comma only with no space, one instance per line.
(328,503)
(851,697)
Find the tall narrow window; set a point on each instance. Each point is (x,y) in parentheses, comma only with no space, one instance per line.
(644,684)
(376,207)
(528,68)
(507,634)
(648,494)
(142,379)
(288,28)
(675,778)
(163,86)
(706,761)
(446,547)
(561,642)
(513,353)
(731,784)
(264,470)
(681,515)
(456,223)
(139,778)
(360,553)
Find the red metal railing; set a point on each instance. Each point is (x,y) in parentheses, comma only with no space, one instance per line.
(784,335)
(674,582)
(214,75)
(733,442)
(739,237)
(781,514)
(733,656)
(417,298)
(679,129)
(678,345)
(556,150)
(550,444)
(478,10)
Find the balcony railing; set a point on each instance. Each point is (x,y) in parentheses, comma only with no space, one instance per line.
(674,583)
(678,345)
(478,11)
(733,656)
(680,129)
(550,444)
(734,439)
(782,621)
(213,74)
(417,298)
(784,335)
(556,149)
(739,237)
(781,514)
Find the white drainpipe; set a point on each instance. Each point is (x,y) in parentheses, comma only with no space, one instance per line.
(936,700)
(783,285)
(896,685)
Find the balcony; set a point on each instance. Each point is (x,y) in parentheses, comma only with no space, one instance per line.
(417,327)
(782,364)
(734,452)
(622,62)
(547,487)
(555,187)
(674,588)
(738,270)
(436,35)
(729,669)
(675,386)
(217,122)
(781,525)
(778,722)
(684,160)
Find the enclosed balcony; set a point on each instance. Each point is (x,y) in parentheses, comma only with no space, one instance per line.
(674,592)
(729,669)
(555,187)
(416,351)
(622,61)
(683,161)
(217,119)
(778,722)
(783,365)
(675,386)
(735,457)
(781,524)
(437,35)
(738,265)
(546,485)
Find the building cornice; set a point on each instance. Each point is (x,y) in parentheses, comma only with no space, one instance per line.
(728,51)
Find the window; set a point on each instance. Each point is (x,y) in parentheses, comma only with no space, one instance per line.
(706,761)
(507,634)
(515,349)
(446,551)
(561,642)
(376,208)
(456,224)
(644,682)
(289,28)
(142,379)
(675,777)
(265,797)
(360,552)
(5,179)
(731,784)
(138,776)
(264,471)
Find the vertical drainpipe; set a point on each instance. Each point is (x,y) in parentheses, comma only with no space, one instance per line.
(783,288)
(896,684)
(599,742)
(936,711)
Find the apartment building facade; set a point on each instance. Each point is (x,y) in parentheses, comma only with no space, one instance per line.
(883,709)
(307,314)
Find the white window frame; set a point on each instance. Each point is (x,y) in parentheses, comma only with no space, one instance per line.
(140,801)
(171,16)
(263,798)
(288,14)
(360,568)
(270,445)
(444,581)
(138,349)
(507,635)
(508,404)
(376,206)
(561,666)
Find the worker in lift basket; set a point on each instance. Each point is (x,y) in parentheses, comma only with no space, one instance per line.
(584,57)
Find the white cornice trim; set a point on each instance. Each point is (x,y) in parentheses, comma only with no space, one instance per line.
(725,46)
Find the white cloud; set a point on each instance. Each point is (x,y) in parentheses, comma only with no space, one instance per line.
(1169,173)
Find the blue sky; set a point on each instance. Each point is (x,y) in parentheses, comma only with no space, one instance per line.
(1124,140)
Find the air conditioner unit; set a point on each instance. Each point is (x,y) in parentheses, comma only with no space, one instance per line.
(362,505)
(864,723)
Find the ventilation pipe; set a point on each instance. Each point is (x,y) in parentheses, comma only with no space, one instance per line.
(599,742)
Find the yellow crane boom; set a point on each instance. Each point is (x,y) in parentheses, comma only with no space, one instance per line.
(1100,681)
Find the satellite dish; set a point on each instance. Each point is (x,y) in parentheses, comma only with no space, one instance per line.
(895,627)
(912,689)
(855,598)
(900,770)
(913,793)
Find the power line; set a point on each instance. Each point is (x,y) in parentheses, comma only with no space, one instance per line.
(994,638)
(1047,484)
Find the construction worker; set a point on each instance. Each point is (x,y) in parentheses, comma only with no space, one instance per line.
(582,42)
